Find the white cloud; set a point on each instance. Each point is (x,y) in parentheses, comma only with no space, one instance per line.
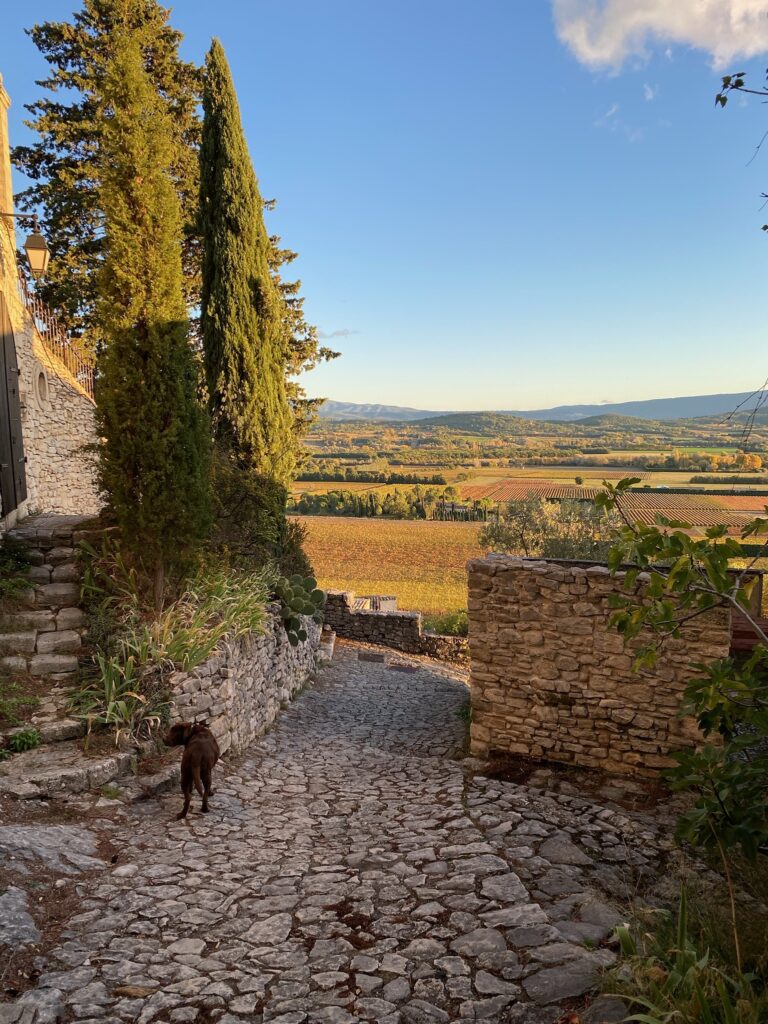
(614,122)
(605,33)
(612,111)
(649,92)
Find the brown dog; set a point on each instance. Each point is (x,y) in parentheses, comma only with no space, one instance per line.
(201,752)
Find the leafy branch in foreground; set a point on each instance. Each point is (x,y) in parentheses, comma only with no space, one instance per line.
(683,577)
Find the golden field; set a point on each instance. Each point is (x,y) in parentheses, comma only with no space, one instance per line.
(422,563)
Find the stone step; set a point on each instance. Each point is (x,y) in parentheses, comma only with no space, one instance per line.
(61,768)
(57,731)
(20,621)
(52,664)
(43,620)
(60,667)
(66,572)
(56,595)
(17,643)
(62,641)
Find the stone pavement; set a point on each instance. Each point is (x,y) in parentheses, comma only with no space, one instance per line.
(353,868)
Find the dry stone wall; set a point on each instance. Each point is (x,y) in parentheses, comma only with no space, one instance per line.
(401,630)
(242,687)
(550,679)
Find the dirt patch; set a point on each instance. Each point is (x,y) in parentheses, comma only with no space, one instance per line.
(99,743)
(155,763)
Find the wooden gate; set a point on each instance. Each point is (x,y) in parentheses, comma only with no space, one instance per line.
(13,478)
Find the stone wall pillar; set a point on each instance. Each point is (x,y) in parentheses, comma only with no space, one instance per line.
(551,679)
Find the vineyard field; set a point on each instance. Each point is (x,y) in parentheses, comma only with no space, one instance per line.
(422,563)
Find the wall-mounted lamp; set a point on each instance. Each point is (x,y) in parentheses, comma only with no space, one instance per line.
(36,248)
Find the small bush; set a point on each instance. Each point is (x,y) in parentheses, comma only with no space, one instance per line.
(26,739)
(136,649)
(451,624)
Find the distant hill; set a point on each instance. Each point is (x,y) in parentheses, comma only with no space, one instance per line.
(486,423)
(330,410)
(689,407)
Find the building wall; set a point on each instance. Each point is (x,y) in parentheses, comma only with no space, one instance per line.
(57,415)
(551,679)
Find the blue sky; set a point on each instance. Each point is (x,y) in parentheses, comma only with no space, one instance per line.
(500,203)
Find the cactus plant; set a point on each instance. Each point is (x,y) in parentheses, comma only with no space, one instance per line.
(299,595)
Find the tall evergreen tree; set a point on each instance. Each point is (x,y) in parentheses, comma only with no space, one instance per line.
(63,162)
(242,310)
(153,461)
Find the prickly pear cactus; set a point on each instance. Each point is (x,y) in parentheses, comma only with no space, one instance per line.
(299,595)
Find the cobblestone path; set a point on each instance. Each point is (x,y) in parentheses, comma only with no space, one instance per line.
(352,869)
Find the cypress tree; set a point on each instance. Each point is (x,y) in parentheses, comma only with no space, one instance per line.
(242,310)
(62,163)
(153,460)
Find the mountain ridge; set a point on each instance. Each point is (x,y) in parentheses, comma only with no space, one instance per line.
(683,407)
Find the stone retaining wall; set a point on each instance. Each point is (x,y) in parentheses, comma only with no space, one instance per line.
(401,630)
(550,679)
(241,689)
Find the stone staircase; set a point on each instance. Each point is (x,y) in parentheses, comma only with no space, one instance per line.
(41,636)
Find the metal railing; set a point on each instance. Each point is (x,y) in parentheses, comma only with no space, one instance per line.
(56,341)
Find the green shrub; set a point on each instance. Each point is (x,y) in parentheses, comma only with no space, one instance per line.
(451,624)
(26,739)
(252,528)
(136,649)
(112,699)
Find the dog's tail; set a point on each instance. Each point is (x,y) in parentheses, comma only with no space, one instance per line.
(197,780)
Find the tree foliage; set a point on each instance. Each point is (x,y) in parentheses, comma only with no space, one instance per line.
(684,577)
(69,121)
(541,529)
(242,311)
(155,437)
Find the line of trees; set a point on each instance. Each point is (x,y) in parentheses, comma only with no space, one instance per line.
(413,503)
(370,476)
(151,213)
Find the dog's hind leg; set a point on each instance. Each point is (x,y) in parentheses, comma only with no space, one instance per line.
(205,771)
(186,789)
(197,779)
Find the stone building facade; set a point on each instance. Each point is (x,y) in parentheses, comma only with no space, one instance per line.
(56,411)
(551,679)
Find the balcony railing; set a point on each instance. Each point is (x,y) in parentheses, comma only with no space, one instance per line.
(56,340)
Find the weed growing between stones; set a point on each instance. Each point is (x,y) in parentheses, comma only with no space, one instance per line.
(14,563)
(15,701)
